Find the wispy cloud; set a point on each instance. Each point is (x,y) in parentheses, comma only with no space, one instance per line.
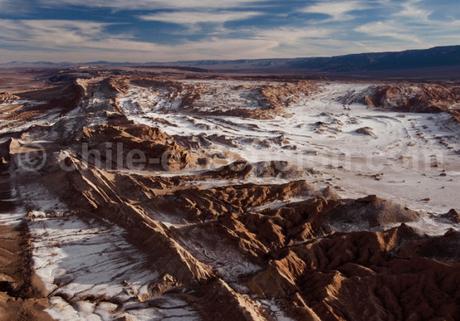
(411,9)
(151,4)
(8,6)
(410,23)
(219,29)
(80,40)
(388,29)
(194,17)
(292,35)
(49,33)
(336,10)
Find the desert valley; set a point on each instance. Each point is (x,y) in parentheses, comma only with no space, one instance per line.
(174,194)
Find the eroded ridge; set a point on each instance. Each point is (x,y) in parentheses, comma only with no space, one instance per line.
(165,198)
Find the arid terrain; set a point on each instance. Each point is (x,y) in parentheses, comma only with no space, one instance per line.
(170,194)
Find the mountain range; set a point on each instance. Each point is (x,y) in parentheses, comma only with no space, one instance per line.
(437,62)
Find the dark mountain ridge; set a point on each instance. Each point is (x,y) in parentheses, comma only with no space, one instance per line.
(434,63)
(409,59)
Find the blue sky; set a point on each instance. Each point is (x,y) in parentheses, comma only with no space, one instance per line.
(170,30)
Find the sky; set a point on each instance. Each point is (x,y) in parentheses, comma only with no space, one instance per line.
(172,30)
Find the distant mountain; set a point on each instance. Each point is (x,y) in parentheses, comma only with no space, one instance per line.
(413,61)
(434,57)
(35,64)
(434,63)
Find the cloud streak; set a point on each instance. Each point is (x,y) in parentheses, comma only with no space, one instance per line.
(412,10)
(411,24)
(337,11)
(388,29)
(195,17)
(152,4)
(160,30)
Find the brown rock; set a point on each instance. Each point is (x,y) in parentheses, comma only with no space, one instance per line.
(413,97)
(7,98)
(453,216)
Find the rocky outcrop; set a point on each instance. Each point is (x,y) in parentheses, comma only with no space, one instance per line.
(367,213)
(362,276)
(282,95)
(7,98)
(63,97)
(127,145)
(173,87)
(95,192)
(20,297)
(413,97)
(452,216)
(274,99)
(247,100)
(5,155)
(367,131)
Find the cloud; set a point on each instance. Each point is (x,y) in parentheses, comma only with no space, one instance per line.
(81,40)
(292,35)
(385,25)
(337,11)
(62,40)
(49,33)
(390,29)
(194,17)
(411,24)
(9,7)
(151,4)
(411,9)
